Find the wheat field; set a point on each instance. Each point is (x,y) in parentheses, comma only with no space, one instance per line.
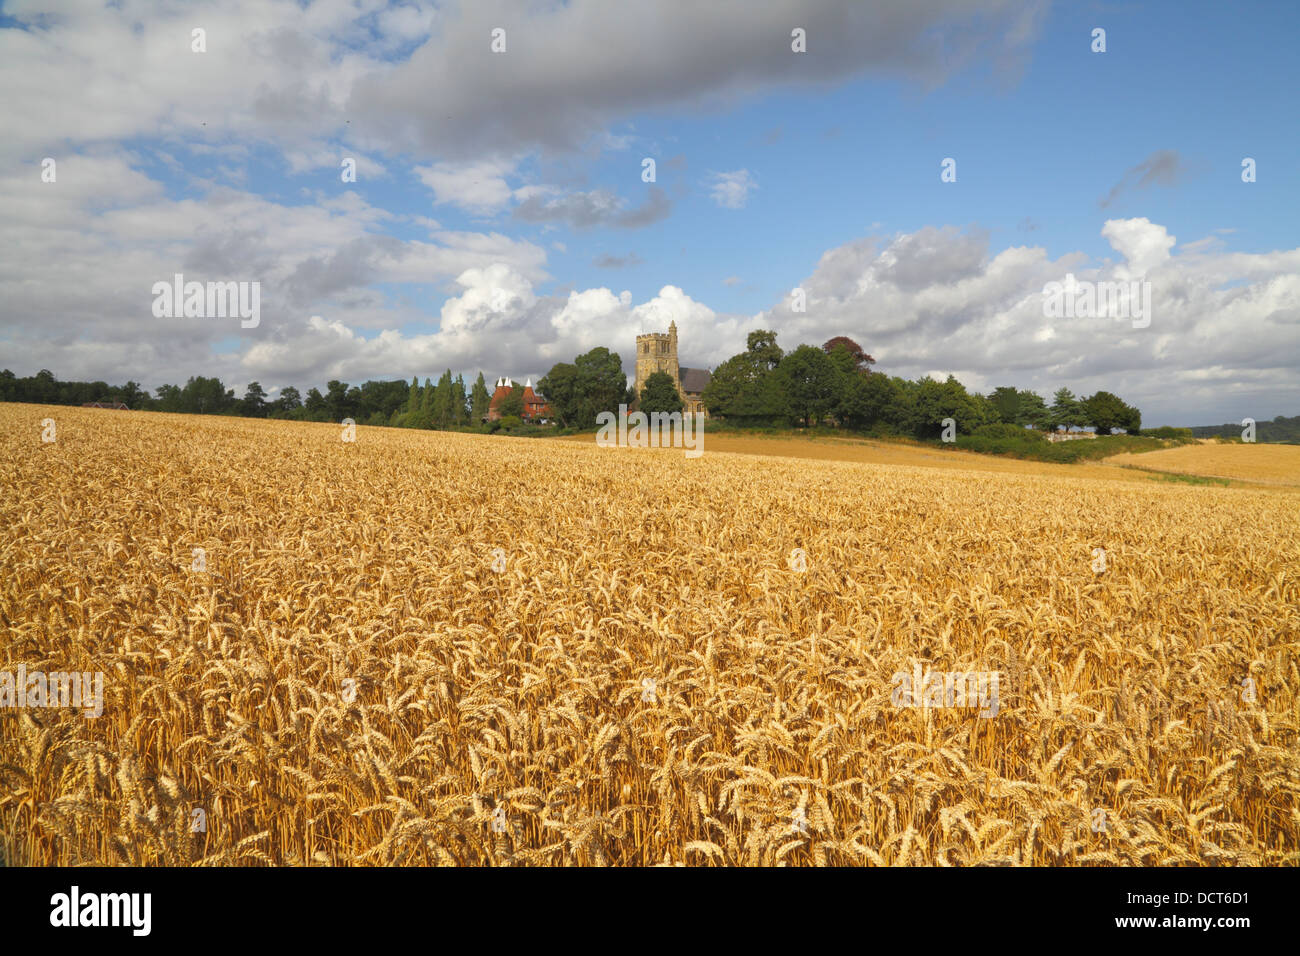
(430,648)
(899,452)
(1267,464)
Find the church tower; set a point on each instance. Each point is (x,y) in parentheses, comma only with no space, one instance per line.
(657,352)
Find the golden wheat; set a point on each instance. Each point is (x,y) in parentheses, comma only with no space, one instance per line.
(639,675)
(1262,463)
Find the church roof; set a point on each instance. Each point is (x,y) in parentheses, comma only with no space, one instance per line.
(694,379)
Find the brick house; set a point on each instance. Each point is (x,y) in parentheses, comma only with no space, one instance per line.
(536,407)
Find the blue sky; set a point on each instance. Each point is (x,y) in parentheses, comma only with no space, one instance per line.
(490,185)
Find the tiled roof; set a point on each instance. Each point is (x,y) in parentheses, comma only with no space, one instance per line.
(694,379)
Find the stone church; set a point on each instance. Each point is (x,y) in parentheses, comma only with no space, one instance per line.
(657,352)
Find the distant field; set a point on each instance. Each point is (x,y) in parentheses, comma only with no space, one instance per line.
(1265,464)
(873,452)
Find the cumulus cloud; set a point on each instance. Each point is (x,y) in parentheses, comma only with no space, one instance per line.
(496,323)
(1143,244)
(78,260)
(939,298)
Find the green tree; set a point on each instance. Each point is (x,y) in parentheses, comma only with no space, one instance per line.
(741,387)
(594,383)
(810,382)
(1106,412)
(865,400)
(560,386)
(336,400)
(726,384)
(313,405)
(442,400)
(512,405)
(601,384)
(842,360)
(423,417)
(317,410)
(206,396)
(380,399)
(936,401)
(762,349)
(459,413)
(133,396)
(1066,410)
(254,401)
(289,400)
(169,398)
(660,394)
(1032,410)
(1131,420)
(44,388)
(413,397)
(1006,403)
(763,402)
(480,399)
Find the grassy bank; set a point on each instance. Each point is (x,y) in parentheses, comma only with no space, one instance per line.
(1039,448)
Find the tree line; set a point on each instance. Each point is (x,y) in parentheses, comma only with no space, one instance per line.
(1281,429)
(835,385)
(444,404)
(763,386)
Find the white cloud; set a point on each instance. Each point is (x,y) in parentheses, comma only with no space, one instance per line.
(478,187)
(940,298)
(731,190)
(1144,245)
(79,257)
(492,297)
